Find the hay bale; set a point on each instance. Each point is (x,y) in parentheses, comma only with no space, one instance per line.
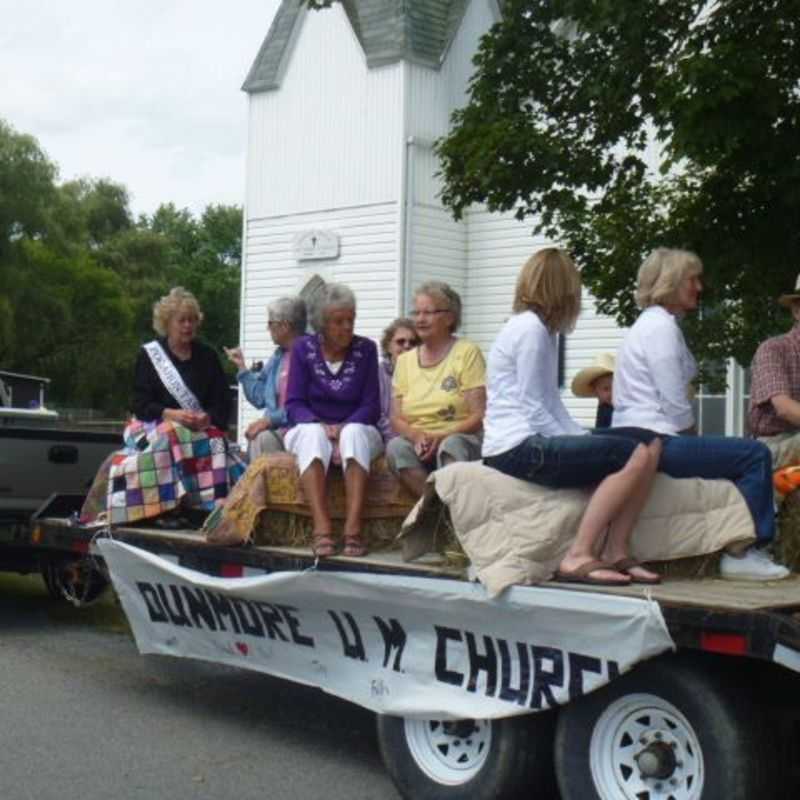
(787,543)
(290,529)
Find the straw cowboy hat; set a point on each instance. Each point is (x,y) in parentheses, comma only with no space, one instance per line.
(604,364)
(786,300)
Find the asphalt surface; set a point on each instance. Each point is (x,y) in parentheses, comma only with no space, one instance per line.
(85,717)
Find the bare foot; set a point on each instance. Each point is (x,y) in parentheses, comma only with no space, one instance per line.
(587,569)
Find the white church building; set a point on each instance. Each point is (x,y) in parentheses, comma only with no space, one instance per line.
(344,107)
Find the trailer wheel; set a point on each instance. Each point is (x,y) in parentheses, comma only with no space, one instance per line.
(667,731)
(470,759)
(76,581)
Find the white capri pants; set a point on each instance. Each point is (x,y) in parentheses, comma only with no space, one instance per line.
(308,441)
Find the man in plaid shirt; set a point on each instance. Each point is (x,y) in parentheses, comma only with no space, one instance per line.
(775,389)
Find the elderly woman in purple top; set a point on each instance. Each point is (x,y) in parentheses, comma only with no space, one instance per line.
(333,405)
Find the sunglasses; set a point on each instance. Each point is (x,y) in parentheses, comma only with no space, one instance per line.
(404,342)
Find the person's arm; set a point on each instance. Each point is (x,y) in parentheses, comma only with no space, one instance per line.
(537,385)
(298,385)
(787,409)
(253,385)
(368,411)
(146,405)
(664,356)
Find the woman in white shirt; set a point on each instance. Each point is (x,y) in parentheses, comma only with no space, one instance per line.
(529,434)
(651,400)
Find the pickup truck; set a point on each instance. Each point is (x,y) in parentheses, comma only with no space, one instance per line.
(39,456)
(716,715)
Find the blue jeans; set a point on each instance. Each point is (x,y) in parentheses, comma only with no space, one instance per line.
(746,462)
(564,461)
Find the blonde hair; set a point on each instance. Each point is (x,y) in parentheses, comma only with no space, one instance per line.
(173,303)
(550,285)
(662,272)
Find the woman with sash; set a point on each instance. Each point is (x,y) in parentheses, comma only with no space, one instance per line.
(176,453)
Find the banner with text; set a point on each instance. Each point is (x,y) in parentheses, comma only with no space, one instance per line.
(421,647)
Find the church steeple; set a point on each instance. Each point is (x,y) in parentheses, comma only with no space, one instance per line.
(388,31)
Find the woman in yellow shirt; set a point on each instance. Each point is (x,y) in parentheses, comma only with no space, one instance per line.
(439,392)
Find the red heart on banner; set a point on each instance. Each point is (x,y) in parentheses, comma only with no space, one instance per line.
(242,648)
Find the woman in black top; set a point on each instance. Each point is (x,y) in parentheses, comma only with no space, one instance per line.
(176,453)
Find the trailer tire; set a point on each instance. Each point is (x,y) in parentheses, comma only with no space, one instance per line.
(77,582)
(470,759)
(674,728)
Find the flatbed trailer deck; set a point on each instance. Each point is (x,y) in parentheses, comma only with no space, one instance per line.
(735,678)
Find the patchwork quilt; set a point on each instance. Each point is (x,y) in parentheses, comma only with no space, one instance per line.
(166,464)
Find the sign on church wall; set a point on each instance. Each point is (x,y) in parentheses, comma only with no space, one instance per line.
(315,245)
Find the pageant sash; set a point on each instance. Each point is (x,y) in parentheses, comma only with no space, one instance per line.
(171,378)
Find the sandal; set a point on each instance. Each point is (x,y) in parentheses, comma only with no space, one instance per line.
(625,565)
(354,546)
(583,574)
(322,545)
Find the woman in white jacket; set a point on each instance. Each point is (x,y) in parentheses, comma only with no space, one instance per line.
(651,400)
(529,434)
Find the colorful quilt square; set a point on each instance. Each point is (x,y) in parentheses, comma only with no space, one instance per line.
(134,497)
(164,476)
(166,492)
(182,434)
(202,464)
(117,499)
(220,476)
(145,461)
(147,478)
(202,447)
(205,480)
(154,510)
(151,495)
(132,480)
(220,490)
(136,513)
(162,459)
(118,485)
(217,446)
(218,461)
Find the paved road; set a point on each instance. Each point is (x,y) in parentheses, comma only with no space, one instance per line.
(85,717)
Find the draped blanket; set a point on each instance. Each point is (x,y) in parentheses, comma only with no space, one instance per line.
(166,464)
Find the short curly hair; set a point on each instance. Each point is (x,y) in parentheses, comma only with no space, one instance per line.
(332,296)
(172,303)
(441,292)
(391,329)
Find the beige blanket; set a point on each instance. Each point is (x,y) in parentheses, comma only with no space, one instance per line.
(515,532)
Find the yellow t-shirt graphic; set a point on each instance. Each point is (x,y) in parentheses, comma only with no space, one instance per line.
(433,397)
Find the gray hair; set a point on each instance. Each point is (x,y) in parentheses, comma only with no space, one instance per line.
(662,272)
(442,292)
(333,295)
(291,310)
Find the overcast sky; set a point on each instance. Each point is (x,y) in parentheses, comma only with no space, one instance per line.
(146,93)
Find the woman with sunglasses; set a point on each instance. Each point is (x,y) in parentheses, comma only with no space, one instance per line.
(399,337)
(439,392)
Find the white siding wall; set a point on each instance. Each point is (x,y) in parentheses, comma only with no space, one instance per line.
(332,135)
(367,264)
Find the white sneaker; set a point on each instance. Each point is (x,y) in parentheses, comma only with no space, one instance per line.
(754,565)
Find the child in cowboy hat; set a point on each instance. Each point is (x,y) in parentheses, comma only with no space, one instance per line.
(596,381)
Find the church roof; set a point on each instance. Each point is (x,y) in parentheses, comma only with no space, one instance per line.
(388,31)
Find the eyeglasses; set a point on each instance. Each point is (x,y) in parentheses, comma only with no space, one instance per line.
(404,342)
(274,322)
(428,312)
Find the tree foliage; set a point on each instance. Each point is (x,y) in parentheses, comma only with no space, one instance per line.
(620,125)
(79,276)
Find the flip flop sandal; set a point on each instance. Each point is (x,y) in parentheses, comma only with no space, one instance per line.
(323,545)
(583,574)
(354,546)
(625,565)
